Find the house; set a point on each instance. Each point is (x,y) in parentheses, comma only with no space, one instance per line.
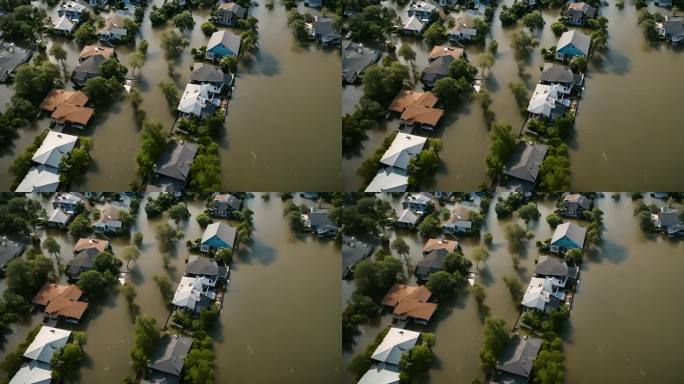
(432,262)
(33,372)
(313,3)
(72,10)
(574,204)
(558,270)
(578,13)
(572,44)
(61,302)
(222,44)
(671,29)
(192,294)
(318,221)
(434,244)
(323,30)
(413,26)
(667,220)
(68,108)
(87,69)
(437,69)
(114,28)
(403,148)
(218,236)
(417,116)
(63,26)
(353,251)
(97,244)
(422,10)
(173,166)
(228,13)
(389,179)
(408,97)
(97,3)
(166,364)
(198,101)
(562,76)
(220,83)
(459,222)
(47,342)
(355,59)
(9,250)
(410,303)
(516,364)
(542,296)
(40,179)
(225,204)
(418,202)
(381,374)
(55,146)
(11,57)
(407,219)
(522,169)
(568,236)
(69,202)
(84,260)
(397,341)
(59,218)
(207,269)
(445,50)
(464,30)
(109,221)
(548,102)
(96,50)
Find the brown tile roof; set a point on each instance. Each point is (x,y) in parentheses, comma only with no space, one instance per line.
(60,96)
(399,292)
(69,113)
(415,309)
(422,115)
(65,307)
(432,244)
(100,245)
(407,97)
(51,291)
(445,50)
(96,50)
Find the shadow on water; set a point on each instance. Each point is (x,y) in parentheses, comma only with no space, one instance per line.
(261,63)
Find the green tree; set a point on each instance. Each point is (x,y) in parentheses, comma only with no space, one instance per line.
(86,34)
(173,44)
(66,362)
(59,53)
(25,276)
(479,254)
(184,20)
(146,336)
(203,219)
(441,284)
(554,220)
(516,236)
(461,69)
(496,338)
(80,226)
(166,235)
(52,247)
(381,84)
(485,60)
(435,34)
(95,283)
(450,90)
(402,249)
(408,54)
(35,80)
(456,262)
(153,143)
(129,254)
(529,212)
(165,288)
(514,287)
(523,44)
(533,20)
(178,213)
(136,60)
(415,362)
(503,144)
(106,262)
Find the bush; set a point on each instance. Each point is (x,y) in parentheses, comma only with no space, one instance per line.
(208,28)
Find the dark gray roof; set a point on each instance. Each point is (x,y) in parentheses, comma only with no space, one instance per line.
(319,218)
(198,265)
(83,260)
(518,358)
(170,357)
(356,58)
(673,26)
(354,251)
(89,67)
(553,266)
(323,26)
(408,217)
(439,67)
(11,57)
(207,73)
(9,250)
(231,200)
(556,73)
(525,162)
(176,160)
(433,260)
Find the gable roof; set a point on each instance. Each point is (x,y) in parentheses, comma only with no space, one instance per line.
(356,58)
(381,374)
(556,73)
(227,39)
(553,266)
(408,217)
(64,24)
(198,265)
(113,22)
(89,66)
(399,292)
(518,358)
(230,199)
(578,39)
(464,22)
(324,26)
(196,101)
(445,50)
(221,230)
(407,97)
(59,216)
(206,73)
(432,260)
(396,342)
(170,357)
(414,24)
(526,161)
(458,214)
(546,99)
(12,57)
(389,179)
(439,66)
(176,160)
(233,8)
(403,148)
(573,231)
(416,309)
(9,250)
(422,115)
(55,146)
(189,293)
(60,306)
(83,260)
(319,217)
(39,179)
(539,294)
(96,50)
(33,372)
(579,199)
(583,7)
(83,243)
(432,244)
(353,251)
(69,113)
(51,291)
(48,341)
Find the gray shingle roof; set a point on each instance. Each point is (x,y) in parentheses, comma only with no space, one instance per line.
(556,73)
(198,265)
(553,266)
(9,250)
(525,163)
(573,231)
(356,58)
(170,357)
(227,38)
(176,160)
(577,39)
(11,57)
(319,217)
(207,73)
(354,251)
(518,358)
(431,261)
(88,67)
(438,67)
(221,230)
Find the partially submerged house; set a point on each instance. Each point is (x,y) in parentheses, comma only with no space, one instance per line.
(355,59)
(193,294)
(561,274)
(410,303)
(542,296)
(208,269)
(318,221)
(173,166)
(47,342)
(517,361)
(198,101)
(464,30)
(87,69)
(572,44)
(218,236)
(445,50)
(63,26)
(574,204)
(459,221)
(567,236)
(408,97)
(396,342)
(413,26)
(389,179)
(228,13)
(69,202)
(548,102)
(522,169)
(667,221)
(394,177)
(109,221)
(167,362)
(562,76)
(72,10)
(579,12)
(222,44)
(407,219)
(97,244)
(114,29)
(68,108)
(323,30)
(61,302)
(417,116)
(671,29)
(9,250)
(55,146)
(33,372)
(39,179)
(11,57)
(435,244)
(422,10)
(381,374)
(83,260)
(418,202)
(353,251)
(225,205)
(218,81)
(96,50)
(433,261)
(437,69)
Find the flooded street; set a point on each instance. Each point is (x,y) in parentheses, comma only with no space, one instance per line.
(285,97)
(619,111)
(269,304)
(616,333)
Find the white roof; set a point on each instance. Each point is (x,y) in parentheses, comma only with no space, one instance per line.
(33,373)
(188,293)
(380,374)
(403,148)
(40,179)
(64,24)
(396,342)
(389,180)
(54,147)
(538,293)
(544,99)
(195,98)
(48,341)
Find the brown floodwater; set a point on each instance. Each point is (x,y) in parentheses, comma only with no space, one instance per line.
(618,115)
(616,334)
(280,318)
(282,129)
